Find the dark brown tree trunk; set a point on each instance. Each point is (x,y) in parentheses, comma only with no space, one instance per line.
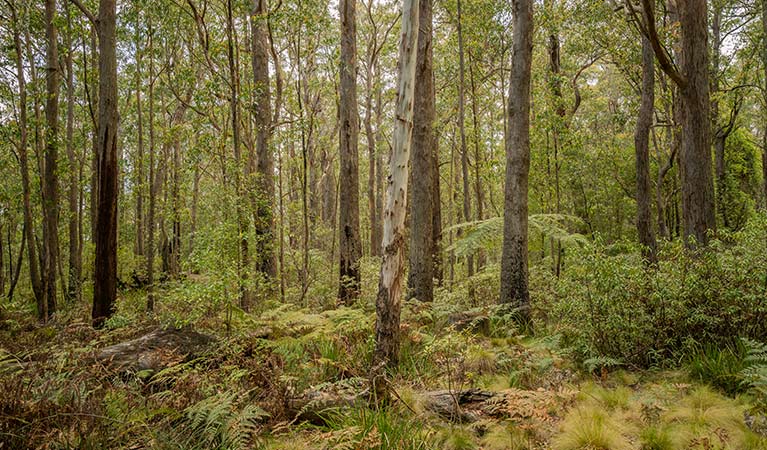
(697,183)
(461,126)
(642,153)
(350,248)
(421,256)
(514,264)
(50,179)
(692,78)
(73,193)
(105,279)
(264,224)
(29,224)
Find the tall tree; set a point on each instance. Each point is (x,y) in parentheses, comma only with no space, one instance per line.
(105,277)
(243,262)
(514,264)
(73,193)
(462,128)
(421,251)
(388,301)
(50,179)
(264,222)
(692,78)
(764,94)
(350,248)
(642,152)
(29,224)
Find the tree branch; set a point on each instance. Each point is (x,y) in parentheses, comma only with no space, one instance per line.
(662,55)
(87,13)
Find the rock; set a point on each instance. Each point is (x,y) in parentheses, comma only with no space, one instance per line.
(157,350)
(477,322)
(457,406)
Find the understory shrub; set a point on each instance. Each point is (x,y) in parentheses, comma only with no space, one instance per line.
(612,304)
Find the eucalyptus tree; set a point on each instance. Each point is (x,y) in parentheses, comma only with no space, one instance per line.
(691,76)
(423,199)
(514,263)
(388,300)
(350,248)
(105,277)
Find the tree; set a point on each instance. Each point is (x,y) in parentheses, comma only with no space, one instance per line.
(73,193)
(691,76)
(264,222)
(764,94)
(105,274)
(29,224)
(514,269)
(462,129)
(387,332)
(642,151)
(421,251)
(350,248)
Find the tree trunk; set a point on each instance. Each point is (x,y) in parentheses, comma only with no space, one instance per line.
(151,221)
(73,194)
(421,272)
(243,263)
(514,265)
(697,184)
(29,224)
(692,78)
(642,152)
(105,279)
(139,161)
(264,224)
(375,238)
(764,90)
(349,238)
(462,129)
(50,179)
(387,335)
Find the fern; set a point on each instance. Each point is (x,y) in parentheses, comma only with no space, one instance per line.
(219,422)
(755,373)
(488,233)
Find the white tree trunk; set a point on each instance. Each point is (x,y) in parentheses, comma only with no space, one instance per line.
(389,287)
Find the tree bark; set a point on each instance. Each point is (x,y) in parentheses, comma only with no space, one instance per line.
(151,220)
(264,223)
(349,238)
(764,90)
(50,178)
(642,153)
(73,193)
(421,251)
(386,352)
(243,263)
(462,129)
(29,224)
(514,264)
(692,78)
(105,279)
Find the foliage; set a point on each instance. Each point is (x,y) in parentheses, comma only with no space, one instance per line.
(611,304)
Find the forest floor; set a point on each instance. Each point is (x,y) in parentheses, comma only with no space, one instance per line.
(288,377)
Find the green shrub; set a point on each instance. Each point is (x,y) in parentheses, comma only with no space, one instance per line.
(614,305)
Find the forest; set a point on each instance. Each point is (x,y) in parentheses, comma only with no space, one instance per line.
(383,224)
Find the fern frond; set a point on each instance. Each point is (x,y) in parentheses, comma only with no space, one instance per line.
(488,234)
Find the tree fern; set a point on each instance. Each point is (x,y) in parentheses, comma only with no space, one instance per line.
(488,234)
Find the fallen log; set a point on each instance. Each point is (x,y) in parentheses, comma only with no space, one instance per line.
(157,350)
